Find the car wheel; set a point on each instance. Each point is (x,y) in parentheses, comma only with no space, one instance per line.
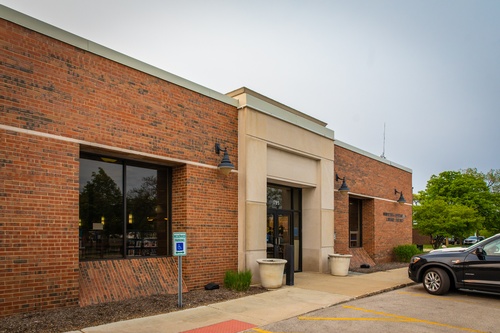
(436,281)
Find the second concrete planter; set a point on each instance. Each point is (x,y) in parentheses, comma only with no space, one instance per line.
(339,264)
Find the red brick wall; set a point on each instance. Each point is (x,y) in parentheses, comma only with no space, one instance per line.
(206,208)
(420,239)
(374,182)
(55,88)
(161,278)
(38,223)
(368,231)
(341,215)
(49,87)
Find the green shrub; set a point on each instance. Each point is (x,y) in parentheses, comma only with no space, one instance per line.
(405,252)
(239,281)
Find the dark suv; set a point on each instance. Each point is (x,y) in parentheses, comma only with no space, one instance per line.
(476,267)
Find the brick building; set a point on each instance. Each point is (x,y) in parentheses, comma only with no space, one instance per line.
(369,220)
(103,157)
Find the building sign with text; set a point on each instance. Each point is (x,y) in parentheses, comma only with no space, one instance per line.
(392,217)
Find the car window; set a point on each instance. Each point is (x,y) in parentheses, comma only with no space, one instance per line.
(493,248)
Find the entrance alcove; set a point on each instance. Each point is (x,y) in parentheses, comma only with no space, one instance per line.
(280,146)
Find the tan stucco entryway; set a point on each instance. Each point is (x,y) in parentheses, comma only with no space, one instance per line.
(280,145)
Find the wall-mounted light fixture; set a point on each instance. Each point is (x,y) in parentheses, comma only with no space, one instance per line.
(401,199)
(225,166)
(343,187)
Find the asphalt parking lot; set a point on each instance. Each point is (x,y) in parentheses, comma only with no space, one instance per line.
(410,309)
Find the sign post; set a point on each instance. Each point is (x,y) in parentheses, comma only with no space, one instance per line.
(180,250)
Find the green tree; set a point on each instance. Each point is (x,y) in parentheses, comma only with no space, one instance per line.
(492,179)
(142,202)
(456,203)
(101,198)
(441,220)
(491,211)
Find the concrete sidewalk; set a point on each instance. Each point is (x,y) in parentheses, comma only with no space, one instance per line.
(312,291)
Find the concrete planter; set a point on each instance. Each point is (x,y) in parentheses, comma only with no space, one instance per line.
(339,264)
(271,272)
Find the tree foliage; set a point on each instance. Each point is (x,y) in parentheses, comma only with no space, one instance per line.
(490,211)
(142,201)
(492,179)
(101,198)
(458,203)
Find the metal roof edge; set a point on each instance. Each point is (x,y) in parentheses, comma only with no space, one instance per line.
(372,156)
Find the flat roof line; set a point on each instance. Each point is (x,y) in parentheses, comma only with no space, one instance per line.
(370,155)
(49,30)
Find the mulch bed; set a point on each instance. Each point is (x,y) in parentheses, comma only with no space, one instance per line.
(77,318)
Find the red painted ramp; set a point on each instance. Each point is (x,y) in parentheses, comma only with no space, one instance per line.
(230,326)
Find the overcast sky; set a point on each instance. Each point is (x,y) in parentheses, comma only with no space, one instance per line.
(428,70)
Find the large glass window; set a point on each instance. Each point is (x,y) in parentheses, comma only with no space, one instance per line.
(124,208)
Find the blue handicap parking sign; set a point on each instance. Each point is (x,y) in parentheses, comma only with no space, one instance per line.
(179,244)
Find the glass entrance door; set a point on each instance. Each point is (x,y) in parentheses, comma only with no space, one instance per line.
(279,233)
(284,222)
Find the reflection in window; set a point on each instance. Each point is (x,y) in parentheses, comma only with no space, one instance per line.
(112,226)
(281,197)
(146,211)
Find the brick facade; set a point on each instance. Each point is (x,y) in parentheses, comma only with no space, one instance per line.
(38,223)
(211,225)
(385,223)
(420,239)
(159,275)
(58,100)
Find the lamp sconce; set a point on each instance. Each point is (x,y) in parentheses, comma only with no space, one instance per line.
(225,166)
(343,187)
(401,199)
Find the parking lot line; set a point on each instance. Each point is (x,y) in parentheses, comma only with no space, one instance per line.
(261,330)
(390,317)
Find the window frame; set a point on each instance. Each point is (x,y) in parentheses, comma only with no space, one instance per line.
(103,157)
